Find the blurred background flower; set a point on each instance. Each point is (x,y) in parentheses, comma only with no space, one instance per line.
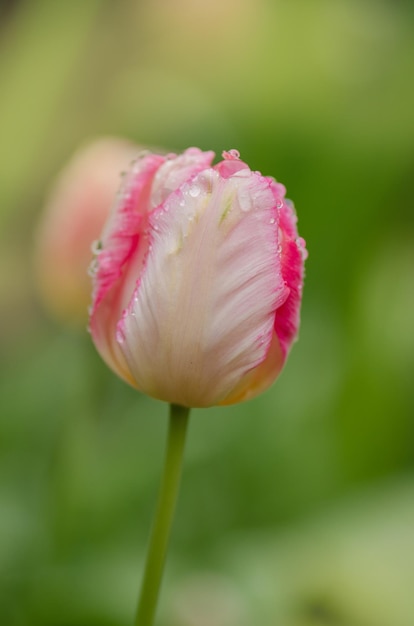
(73,218)
(318,94)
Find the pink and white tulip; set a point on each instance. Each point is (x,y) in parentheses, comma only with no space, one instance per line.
(198,279)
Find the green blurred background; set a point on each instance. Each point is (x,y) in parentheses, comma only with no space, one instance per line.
(297,508)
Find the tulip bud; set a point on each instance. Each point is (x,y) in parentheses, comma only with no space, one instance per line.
(198,280)
(76,210)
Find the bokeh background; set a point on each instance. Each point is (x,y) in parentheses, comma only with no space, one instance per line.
(297,508)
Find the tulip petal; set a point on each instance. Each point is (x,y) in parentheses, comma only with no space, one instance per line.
(202,315)
(287,315)
(125,243)
(121,240)
(293,253)
(261,377)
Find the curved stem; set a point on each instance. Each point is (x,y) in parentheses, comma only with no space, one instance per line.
(163,516)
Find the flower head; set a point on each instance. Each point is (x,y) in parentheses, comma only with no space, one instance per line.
(197,283)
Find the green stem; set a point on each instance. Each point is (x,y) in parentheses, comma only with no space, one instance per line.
(163,516)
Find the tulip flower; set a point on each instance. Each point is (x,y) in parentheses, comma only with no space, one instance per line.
(198,279)
(75,212)
(197,284)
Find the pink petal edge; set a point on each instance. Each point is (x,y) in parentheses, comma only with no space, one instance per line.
(293,253)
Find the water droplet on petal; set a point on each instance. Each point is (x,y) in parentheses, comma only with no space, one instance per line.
(279,204)
(93,268)
(119,335)
(231,155)
(301,243)
(194,191)
(96,246)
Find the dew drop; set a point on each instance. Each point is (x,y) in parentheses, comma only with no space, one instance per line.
(279,204)
(231,154)
(301,243)
(194,191)
(120,337)
(93,268)
(96,246)
(272,220)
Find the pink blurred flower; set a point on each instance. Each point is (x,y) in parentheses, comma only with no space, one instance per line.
(75,212)
(198,280)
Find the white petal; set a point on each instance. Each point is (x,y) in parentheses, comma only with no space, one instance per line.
(203,313)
